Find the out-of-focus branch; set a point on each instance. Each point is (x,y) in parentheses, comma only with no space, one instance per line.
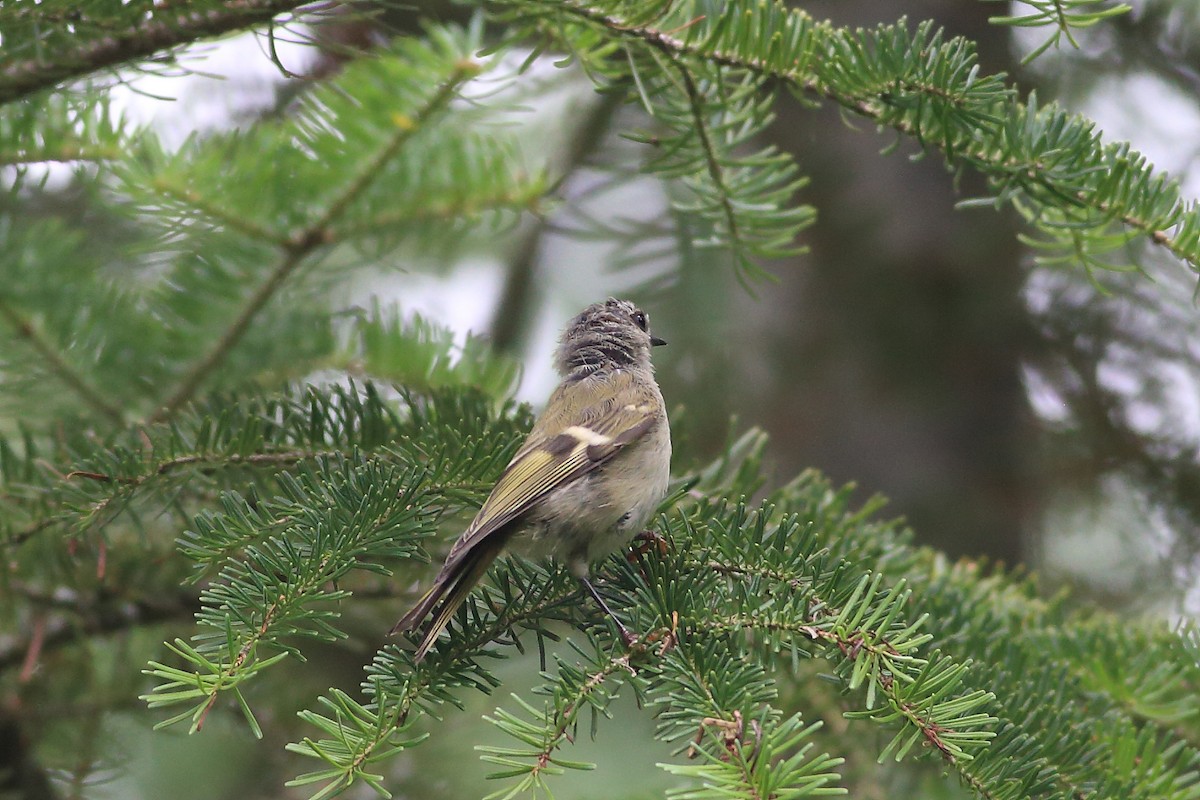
(167,28)
(511,318)
(306,241)
(54,361)
(115,616)
(20,774)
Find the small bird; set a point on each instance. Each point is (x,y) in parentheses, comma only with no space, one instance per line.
(593,469)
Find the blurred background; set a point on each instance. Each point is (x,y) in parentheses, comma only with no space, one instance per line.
(1035,415)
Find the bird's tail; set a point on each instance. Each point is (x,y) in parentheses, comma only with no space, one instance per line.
(450,590)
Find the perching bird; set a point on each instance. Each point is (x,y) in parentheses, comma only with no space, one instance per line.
(589,475)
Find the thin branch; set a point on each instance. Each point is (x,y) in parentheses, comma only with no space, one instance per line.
(715,172)
(199,461)
(164,30)
(183,393)
(237,222)
(56,364)
(568,714)
(27,533)
(304,242)
(849,646)
(230,673)
(393,714)
(86,757)
(132,483)
(521,200)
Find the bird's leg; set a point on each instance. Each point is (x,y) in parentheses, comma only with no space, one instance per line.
(627,638)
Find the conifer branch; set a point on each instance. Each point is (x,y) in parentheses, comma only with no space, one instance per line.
(166,29)
(851,646)
(190,455)
(280,589)
(183,394)
(544,732)
(18,538)
(1062,16)
(715,171)
(711,693)
(131,484)
(719,716)
(979,151)
(54,362)
(238,222)
(397,694)
(292,257)
(1007,625)
(302,243)
(526,198)
(861,641)
(285,505)
(566,717)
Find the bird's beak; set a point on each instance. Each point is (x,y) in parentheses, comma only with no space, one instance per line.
(655,341)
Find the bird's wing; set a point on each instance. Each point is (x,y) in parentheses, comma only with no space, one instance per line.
(559,449)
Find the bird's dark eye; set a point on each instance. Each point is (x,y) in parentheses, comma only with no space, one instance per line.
(640,319)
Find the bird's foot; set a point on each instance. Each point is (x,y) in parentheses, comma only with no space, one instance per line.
(644,542)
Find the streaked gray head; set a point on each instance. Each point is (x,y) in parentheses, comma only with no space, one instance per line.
(615,333)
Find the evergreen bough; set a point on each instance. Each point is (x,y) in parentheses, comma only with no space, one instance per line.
(166,451)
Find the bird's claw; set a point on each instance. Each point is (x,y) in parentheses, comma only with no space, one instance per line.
(646,541)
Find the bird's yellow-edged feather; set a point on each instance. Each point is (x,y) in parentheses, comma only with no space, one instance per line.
(562,447)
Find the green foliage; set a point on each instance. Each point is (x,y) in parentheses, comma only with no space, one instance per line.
(796,774)
(212,251)
(1086,200)
(421,355)
(379,128)
(58,128)
(344,514)
(706,117)
(207,442)
(64,39)
(228,441)
(1116,697)
(741,600)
